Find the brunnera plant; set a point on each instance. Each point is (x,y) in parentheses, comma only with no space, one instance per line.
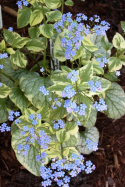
(53,110)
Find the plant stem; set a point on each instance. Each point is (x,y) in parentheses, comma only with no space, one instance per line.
(61,150)
(3,73)
(62,6)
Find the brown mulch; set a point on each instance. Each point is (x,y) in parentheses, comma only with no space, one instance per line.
(110,158)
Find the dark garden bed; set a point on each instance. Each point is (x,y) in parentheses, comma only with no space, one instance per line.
(110,158)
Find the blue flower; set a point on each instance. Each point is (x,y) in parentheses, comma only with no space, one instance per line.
(42,70)
(34,122)
(32,116)
(17,121)
(17,114)
(10,29)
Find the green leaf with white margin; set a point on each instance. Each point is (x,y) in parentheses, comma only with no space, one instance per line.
(122,45)
(92,118)
(10,51)
(4,90)
(3,111)
(2,46)
(114,64)
(9,36)
(30,85)
(61,78)
(57,113)
(46,30)
(53,16)
(91,134)
(18,98)
(36,45)
(71,142)
(9,71)
(69,3)
(96,68)
(89,45)
(53,4)
(59,51)
(19,42)
(117,40)
(23,16)
(111,76)
(44,111)
(86,73)
(66,152)
(62,136)
(115,101)
(96,40)
(28,161)
(71,127)
(122,59)
(57,88)
(53,153)
(80,98)
(66,69)
(106,44)
(123,25)
(34,32)
(18,59)
(36,17)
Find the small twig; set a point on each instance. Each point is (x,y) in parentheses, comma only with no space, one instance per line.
(9,11)
(106,184)
(116,161)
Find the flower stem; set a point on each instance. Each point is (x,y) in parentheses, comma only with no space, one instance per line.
(62,6)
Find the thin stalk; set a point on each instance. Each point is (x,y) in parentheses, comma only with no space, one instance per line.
(61,150)
(3,73)
(62,6)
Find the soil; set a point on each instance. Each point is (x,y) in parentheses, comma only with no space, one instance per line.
(110,158)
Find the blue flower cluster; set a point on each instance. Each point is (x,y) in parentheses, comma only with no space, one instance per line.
(13,114)
(22,2)
(102,61)
(73,107)
(1,84)
(31,136)
(41,157)
(34,118)
(73,75)
(4,128)
(59,124)
(10,29)
(91,145)
(95,86)
(100,106)
(4,55)
(70,106)
(62,170)
(44,90)
(72,41)
(68,92)
(24,148)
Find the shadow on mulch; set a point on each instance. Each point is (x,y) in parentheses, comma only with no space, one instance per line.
(110,158)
